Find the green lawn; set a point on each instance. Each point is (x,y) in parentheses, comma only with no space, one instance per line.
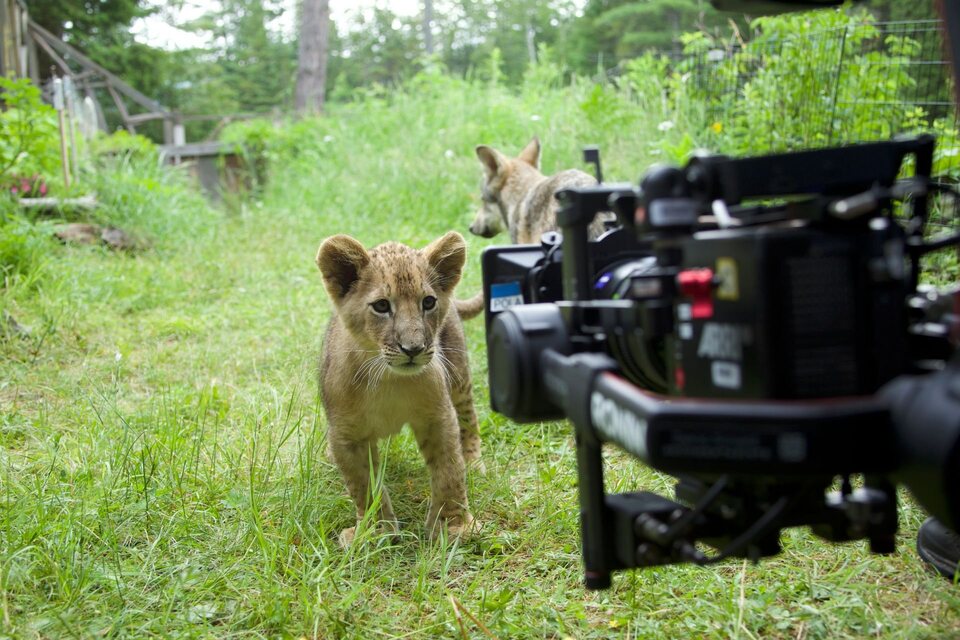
(162,465)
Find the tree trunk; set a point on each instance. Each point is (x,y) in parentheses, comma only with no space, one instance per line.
(531,44)
(428,26)
(312,56)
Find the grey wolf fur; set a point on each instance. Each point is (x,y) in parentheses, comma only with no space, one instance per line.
(517,197)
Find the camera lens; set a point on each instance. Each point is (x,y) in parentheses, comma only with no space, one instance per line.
(518,336)
(641,357)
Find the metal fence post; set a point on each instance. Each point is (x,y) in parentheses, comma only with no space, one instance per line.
(836,84)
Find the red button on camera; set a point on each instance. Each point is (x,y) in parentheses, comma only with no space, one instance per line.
(697,284)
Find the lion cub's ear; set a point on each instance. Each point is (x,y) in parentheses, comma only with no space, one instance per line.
(531,153)
(446,257)
(341,258)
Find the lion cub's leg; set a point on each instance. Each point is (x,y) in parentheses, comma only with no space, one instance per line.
(462,396)
(354,460)
(439,442)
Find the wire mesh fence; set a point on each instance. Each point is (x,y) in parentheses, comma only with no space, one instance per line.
(858,82)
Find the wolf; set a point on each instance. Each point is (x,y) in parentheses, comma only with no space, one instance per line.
(517,197)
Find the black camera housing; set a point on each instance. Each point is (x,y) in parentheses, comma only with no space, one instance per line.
(735,331)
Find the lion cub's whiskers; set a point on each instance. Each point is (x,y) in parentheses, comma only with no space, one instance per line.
(365,367)
(447,368)
(382,364)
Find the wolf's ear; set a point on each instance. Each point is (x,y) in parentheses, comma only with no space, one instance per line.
(340,259)
(446,257)
(492,160)
(531,153)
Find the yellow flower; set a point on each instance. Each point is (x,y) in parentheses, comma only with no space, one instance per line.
(717,127)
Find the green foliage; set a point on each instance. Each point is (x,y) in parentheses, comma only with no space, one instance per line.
(29,142)
(545,74)
(380,48)
(24,246)
(122,142)
(158,204)
(611,32)
(259,65)
(83,22)
(267,145)
(805,80)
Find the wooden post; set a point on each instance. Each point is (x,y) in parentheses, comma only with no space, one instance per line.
(3,37)
(58,105)
(70,94)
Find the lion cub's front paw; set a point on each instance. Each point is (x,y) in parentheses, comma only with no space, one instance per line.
(477,465)
(346,536)
(384,527)
(466,526)
(456,527)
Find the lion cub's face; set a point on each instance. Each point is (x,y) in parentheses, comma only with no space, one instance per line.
(392,299)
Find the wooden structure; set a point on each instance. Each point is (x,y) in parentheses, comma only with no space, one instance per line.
(18,55)
(88,76)
(21,40)
(217,167)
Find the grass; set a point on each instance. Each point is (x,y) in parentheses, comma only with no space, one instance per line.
(162,466)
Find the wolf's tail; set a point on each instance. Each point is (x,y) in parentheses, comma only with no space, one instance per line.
(470,307)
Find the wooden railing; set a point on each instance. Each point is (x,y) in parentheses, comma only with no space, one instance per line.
(18,56)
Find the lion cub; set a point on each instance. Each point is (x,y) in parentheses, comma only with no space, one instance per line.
(395,354)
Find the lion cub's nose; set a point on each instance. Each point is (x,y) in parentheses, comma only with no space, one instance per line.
(412,350)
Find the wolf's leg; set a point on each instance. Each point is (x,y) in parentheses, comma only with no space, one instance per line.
(354,459)
(439,443)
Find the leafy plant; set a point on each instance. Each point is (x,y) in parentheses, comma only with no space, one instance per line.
(805,80)
(123,143)
(28,130)
(23,247)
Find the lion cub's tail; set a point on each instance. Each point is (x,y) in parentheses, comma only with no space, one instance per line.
(470,307)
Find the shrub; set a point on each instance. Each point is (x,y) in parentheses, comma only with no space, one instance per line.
(23,248)
(805,80)
(29,140)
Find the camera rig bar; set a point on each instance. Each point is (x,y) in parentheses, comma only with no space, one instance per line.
(803,446)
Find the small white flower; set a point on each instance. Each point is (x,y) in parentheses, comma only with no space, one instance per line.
(328,138)
(448,154)
(118,356)
(535,118)
(666,125)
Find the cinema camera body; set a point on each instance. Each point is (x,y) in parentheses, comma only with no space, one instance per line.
(753,327)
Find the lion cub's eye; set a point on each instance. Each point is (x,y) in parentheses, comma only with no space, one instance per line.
(429,303)
(381,306)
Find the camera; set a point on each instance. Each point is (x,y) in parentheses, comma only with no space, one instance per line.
(754,327)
